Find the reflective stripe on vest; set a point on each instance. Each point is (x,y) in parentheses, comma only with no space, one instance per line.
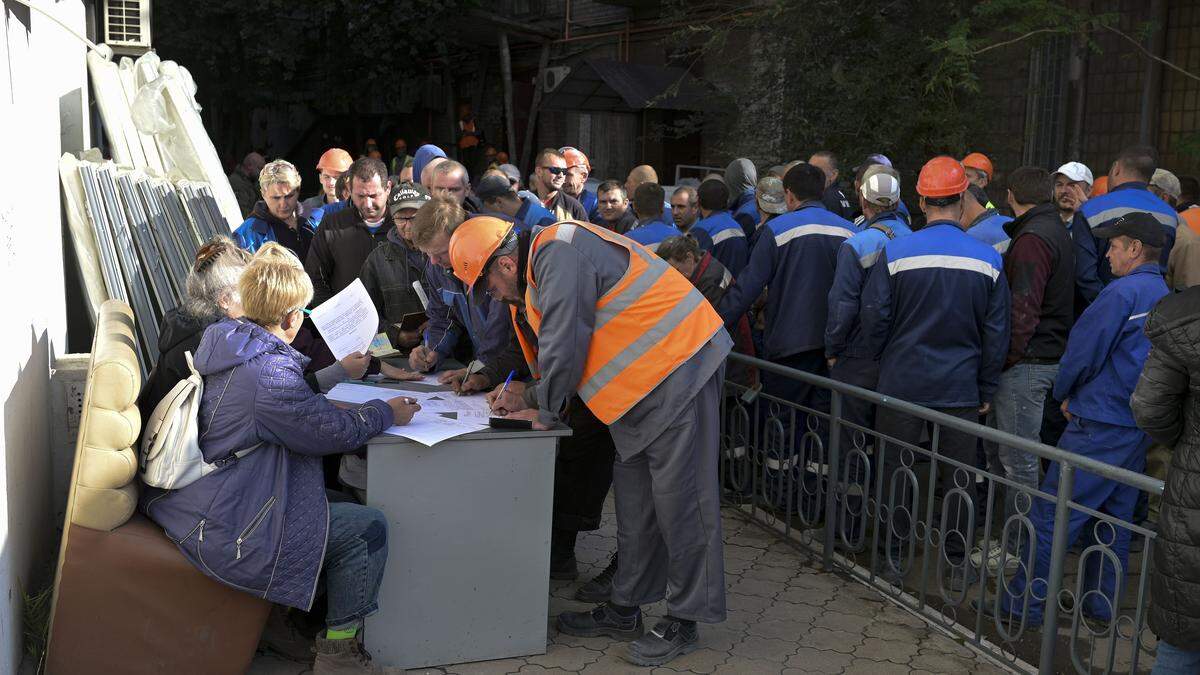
(647,325)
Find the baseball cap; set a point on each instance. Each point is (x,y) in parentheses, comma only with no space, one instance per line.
(1167,182)
(1078,173)
(874,158)
(881,186)
(1137,225)
(513,173)
(493,186)
(769,193)
(407,196)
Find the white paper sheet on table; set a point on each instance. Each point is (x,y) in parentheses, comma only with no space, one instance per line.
(347,321)
(429,426)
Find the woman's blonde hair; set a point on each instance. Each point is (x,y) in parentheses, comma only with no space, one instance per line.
(273,284)
(213,279)
(279,171)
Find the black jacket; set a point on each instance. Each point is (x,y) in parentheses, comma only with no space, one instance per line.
(179,333)
(1167,407)
(1040,266)
(339,249)
(388,274)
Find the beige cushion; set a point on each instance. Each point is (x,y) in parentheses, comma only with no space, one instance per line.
(103,486)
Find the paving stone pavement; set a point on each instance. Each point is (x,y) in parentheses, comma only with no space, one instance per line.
(785,616)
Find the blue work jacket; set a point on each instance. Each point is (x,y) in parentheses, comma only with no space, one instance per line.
(487,321)
(794,256)
(729,245)
(652,233)
(590,203)
(1124,199)
(531,215)
(1108,347)
(989,228)
(315,216)
(856,259)
(936,311)
(745,212)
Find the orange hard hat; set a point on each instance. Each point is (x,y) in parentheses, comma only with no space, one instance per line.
(575,157)
(473,244)
(1100,187)
(942,177)
(978,161)
(334,159)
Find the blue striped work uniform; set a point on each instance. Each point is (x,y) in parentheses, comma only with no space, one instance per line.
(1122,200)
(989,228)
(856,259)
(795,255)
(652,234)
(936,311)
(729,245)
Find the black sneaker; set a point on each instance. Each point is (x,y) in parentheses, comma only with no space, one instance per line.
(599,589)
(603,620)
(670,638)
(564,568)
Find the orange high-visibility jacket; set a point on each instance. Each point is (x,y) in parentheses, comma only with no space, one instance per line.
(647,325)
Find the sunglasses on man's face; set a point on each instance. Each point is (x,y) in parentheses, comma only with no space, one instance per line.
(556,170)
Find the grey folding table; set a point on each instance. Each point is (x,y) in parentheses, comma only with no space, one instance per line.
(468,546)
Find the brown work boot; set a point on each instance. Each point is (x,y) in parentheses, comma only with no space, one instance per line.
(347,657)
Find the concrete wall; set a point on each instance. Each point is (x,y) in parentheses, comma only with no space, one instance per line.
(42,83)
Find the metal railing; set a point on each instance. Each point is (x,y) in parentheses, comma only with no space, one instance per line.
(789,466)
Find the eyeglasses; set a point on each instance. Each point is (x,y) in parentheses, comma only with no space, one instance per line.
(556,170)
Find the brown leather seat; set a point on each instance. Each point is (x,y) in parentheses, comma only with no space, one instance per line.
(125,598)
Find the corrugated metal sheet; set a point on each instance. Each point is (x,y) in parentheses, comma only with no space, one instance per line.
(607,85)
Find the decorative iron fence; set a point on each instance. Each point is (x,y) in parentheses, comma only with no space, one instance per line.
(951,552)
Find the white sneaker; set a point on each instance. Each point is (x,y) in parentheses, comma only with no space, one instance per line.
(995,550)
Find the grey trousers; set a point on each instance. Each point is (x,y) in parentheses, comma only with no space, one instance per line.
(669,516)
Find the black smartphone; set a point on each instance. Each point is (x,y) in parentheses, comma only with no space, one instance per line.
(509,423)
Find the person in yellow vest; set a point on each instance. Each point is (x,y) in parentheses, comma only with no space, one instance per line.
(599,316)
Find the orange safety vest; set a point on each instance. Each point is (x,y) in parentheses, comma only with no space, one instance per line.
(1192,218)
(647,325)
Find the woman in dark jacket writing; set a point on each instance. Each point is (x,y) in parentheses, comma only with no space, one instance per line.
(262,523)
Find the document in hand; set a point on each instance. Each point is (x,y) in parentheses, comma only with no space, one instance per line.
(348,321)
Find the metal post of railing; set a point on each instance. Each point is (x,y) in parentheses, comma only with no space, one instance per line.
(832,476)
(1058,557)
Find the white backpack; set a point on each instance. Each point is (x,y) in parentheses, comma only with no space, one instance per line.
(170,456)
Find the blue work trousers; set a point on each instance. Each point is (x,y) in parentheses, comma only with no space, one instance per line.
(1117,445)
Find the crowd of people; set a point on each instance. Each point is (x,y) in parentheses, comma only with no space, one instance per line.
(616,308)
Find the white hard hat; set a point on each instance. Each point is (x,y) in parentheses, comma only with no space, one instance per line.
(1076,172)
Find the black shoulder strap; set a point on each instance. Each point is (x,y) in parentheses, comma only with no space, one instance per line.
(887,231)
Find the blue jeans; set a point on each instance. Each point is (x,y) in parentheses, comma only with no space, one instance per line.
(1175,661)
(1018,407)
(355,556)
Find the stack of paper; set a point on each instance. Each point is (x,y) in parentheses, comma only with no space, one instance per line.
(443,415)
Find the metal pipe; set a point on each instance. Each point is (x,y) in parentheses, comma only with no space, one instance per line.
(1152,87)
(1102,469)
(530,126)
(506,77)
(831,515)
(567,22)
(1058,556)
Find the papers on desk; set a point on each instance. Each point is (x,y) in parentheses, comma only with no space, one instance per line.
(443,415)
(347,321)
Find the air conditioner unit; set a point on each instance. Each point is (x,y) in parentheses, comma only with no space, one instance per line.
(127,25)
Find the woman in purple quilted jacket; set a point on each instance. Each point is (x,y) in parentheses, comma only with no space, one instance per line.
(261,523)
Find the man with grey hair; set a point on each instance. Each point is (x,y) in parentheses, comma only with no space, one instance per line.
(450,180)
(244,181)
